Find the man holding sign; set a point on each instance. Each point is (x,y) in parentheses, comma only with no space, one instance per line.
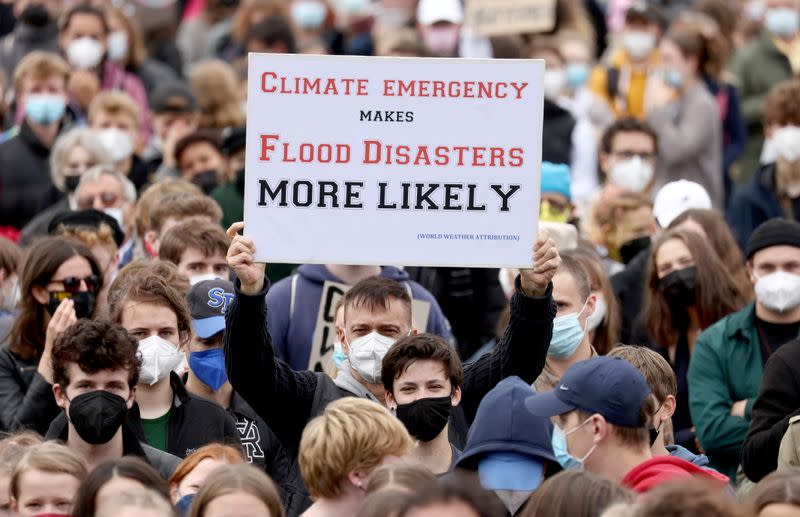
(378,309)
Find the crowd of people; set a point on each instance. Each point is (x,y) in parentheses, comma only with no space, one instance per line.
(645,365)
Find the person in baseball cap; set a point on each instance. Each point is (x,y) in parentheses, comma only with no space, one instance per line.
(676,197)
(208,302)
(439,24)
(601,411)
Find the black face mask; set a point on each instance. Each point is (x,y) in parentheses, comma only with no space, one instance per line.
(71,183)
(84,302)
(679,287)
(97,415)
(425,418)
(35,15)
(207,181)
(240,181)
(630,249)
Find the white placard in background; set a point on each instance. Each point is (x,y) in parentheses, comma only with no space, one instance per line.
(359,160)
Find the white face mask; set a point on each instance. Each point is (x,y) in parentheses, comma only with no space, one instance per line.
(196,279)
(159,358)
(118,46)
(599,314)
(117,142)
(785,143)
(367,353)
(85,53)
(632,174)
(778,291)
(638,44)
(555,82)
(118,216)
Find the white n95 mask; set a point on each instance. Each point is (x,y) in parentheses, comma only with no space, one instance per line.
(159,358)
(778,291)
(367,353)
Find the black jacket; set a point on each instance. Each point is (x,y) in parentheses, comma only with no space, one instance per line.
(163,462)
(628,286)
(471,300)
(25,185)
(287,399)
(777,402)
(262,448)
(194,422)
(557,134)
(26,398)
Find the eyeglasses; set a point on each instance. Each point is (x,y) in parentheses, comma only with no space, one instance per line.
(72,284)
(108,199)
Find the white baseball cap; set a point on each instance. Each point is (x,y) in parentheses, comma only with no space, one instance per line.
(677,197)
(432,11)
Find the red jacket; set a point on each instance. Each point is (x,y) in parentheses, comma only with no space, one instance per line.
(660,469)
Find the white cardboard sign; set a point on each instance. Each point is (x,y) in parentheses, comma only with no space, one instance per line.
(500,17)
(375,161)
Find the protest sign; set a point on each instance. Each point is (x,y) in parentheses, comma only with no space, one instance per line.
(325,330)
(501,17)
(375,161)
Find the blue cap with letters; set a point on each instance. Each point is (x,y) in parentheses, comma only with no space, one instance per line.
(609,386)
(208,302)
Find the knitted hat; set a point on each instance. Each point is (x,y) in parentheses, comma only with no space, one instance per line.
(775,232)
(555,179)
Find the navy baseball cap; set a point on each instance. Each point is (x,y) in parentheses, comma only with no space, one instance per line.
(208,301)
(609,386)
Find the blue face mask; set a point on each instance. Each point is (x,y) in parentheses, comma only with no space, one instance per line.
(44,108)
(308,14)
(782,21)
(184,503)
(561,452)
(577,75)
(567,335)
(209,366)
(673,78)
(339,357)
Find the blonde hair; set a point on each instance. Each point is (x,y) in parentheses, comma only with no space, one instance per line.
(13,448)
(215,86)
(229,479)
(90,237)
(114,103)
(39,65)
(49,457)
(155,193)
(351,434)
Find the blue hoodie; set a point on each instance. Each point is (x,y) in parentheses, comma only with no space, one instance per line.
(504,424)
(700,460)
(292,334)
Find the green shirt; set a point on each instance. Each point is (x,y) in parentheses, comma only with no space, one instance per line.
(155,431)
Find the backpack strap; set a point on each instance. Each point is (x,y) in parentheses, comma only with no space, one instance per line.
(612,81)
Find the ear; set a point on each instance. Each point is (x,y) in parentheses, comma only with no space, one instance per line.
(151,239)
(668,408)
(600,428)
(132,399)
(605,164)
(456,397)
(414,331)
(173,493)
(40,294)
(591,303)
(357,479)
(345,345)
(750,272)
(60,396)
(391,405)
(14,506)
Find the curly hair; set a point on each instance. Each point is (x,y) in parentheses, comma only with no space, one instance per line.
(158,283)
(782,105)
(95,346)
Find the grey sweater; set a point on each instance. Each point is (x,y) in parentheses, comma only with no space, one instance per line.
(690,141)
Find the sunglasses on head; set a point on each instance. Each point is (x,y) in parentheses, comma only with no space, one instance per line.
(106,198)
(72,284)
